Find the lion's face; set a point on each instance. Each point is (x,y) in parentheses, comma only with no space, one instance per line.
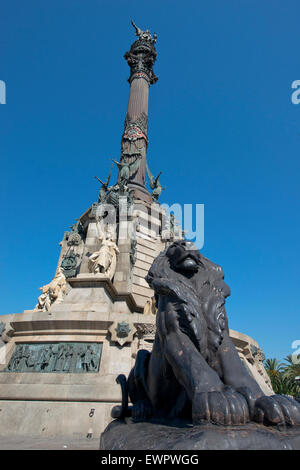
(184,256)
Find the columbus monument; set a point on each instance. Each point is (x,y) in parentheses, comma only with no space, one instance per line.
(97,315)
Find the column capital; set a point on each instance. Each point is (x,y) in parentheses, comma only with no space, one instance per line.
(141,56)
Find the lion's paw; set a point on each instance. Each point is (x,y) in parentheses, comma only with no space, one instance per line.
(224,407)
(277,409)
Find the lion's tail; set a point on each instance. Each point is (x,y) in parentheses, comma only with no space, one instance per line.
(118,411)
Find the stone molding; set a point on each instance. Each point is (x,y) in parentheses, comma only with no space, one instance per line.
(109,287)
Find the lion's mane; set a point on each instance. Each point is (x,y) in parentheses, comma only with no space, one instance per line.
(193,297)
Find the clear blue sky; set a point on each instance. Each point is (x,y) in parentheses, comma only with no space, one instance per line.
(222,129)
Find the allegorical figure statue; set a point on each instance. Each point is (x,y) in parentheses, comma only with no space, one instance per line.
(104,260)
(154,184)
(52,292)
(194,372)
(126,170)
(104,188)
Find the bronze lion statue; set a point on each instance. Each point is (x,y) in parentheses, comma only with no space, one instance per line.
(194,372)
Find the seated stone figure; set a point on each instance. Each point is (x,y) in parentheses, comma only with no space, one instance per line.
(194,372)
(52,292)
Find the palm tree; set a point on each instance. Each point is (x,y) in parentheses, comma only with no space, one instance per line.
(285,386)
(273,367)
(283,375)
(291,369)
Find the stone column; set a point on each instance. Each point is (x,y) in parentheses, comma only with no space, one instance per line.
(140,59)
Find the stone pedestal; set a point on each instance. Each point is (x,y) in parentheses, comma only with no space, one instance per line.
(150,436)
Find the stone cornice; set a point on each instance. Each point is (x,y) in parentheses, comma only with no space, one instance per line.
(106,283)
